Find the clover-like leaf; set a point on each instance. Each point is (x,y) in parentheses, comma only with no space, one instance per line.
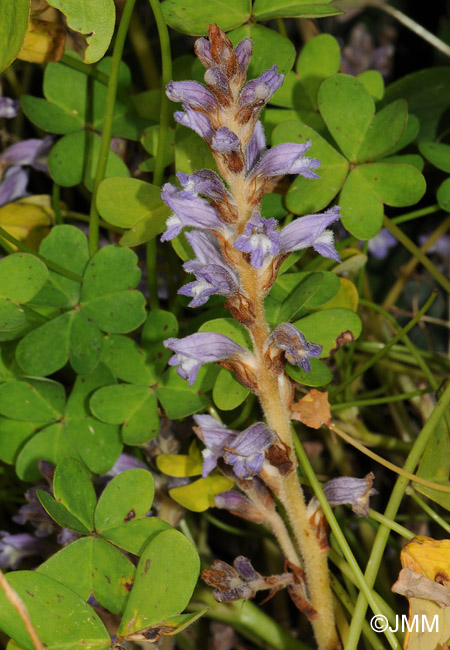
(13,29)
(73,488)
(190,17)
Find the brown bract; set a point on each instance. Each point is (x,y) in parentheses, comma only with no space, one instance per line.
(313,409)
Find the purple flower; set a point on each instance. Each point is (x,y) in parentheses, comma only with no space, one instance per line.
(28,152)
(206,249)
(255,147)
(215,436)
(209,280)
(124,462)
(297,350)
(260,238)
(8,107)
(198,122)
(204,182)
(225,140)
(13,548)
(248,451)
(243,53)
(286,158)
(380,244)
(260,90)
(216,79)
(203,52)
(311,231)
(191,93)
(355,491)
(192,211)
(35,514)
(203,347)
(13,185)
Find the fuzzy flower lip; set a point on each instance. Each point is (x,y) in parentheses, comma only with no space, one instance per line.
(354,491)
(255,147)
(188,211)
(286,158)
(225,140)
(297,350)
(209,280)
(311,231)
(191,93)
(198,122)
(203,347)
(248,451)
(204,182)
(215,436)
(260,238)
(260,90)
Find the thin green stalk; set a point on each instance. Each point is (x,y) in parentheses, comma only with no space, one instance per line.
(233,530)
(340,537)
(393,525)
(6,247)
(416,214)
(163,134)
(56,191)
(393,505)
(362,369)
(243,415)
(51,265)
(432,513)
(381,400)
(415,250)
(78,216)
(108,123)
(144,53)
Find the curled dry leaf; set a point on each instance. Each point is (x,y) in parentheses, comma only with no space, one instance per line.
(313,409)
(415,585)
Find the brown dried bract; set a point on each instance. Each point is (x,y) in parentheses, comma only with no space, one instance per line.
(279,456)
(313,409)
(342,339)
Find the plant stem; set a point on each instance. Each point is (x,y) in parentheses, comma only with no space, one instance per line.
(381,400)
(51,265)
(163,133)
(108,123)
(365,366)
(416,251)
(55,202)
(393,505)
(415,214)
(393,525)
(142,48)
(432,513)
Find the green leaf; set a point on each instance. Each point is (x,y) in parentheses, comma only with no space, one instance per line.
(168,627)
(325,327)
(95,21)
(319,375)
(178,399)
(190,17)
(134,536)
(269,48)
(68,247)
(125,359)
(369,187)
(13,29)
(443,195)
(228,393)
(319,59)
(48,348)
(160,325)
(150,137)
(428,95)
(191,152)
(74,159)
(373,82)
(303,293)
(267,9)
(290,284)
(437,153)
(51,117)
(13,434)
(33,400)
(12,317)
(306,196)
(228,327)
(199,495)
(181,465)
(97,443)
(348,110)
(409,135)
(125,201)
(93,566)
(435,466)
(59,616)
(384,132)
(49,444)
(165,579)
(73,488)
(60,513)
(21,277)
(107,295)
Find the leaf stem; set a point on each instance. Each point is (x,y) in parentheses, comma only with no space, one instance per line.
(56,191)
(415,214)
(51,265)
(393,505)
(381,400)
(20,608)
(108,123)
(426,508)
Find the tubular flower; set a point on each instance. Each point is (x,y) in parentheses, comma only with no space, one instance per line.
(259,239)
(311,231)
(288,340)
(354,491)
(286,158)
(203,347)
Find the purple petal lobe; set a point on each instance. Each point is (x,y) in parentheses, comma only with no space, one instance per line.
(191,93)
(198,122)
(255,147)
(311,231)
(13,185)
(243,53)
(355,491)
(203,52)
(248,451)
(204,182)
(296,348)
(189,210)
(260,90)
(286,158)
(215,436)
(260,238)
(9,107)
(380,244)
(225,140)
